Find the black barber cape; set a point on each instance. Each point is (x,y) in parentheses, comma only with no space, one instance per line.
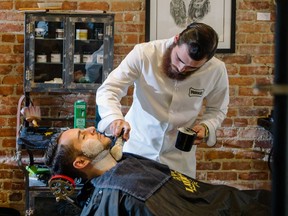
(141,187)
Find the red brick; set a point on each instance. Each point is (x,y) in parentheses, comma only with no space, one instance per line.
(222,176)
(103,6)
(252,111)
(252,91)
(254,176)
(249,155)
(237,59)
(8,38)
(241,81)
(216,155)
(131,39)
(241,101)
(233,143)
(208,166)
(236,165)
(124,6)
(241,122)
(6,5)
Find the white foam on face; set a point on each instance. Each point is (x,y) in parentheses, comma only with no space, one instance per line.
(91,148)
(94,150)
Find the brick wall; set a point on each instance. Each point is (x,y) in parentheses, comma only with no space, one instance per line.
(240,156)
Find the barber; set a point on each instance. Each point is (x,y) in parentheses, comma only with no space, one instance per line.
(173,78)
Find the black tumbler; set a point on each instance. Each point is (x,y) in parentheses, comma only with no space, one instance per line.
(185,139)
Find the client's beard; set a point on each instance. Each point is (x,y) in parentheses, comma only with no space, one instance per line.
(168,69)
(94,150)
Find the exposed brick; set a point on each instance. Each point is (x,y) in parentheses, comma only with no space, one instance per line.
(5,49)
(227,123)
(132,17)
(263,59)
(263,102)
(10,28)
(260,165)
(241,122)
(250,155)
(236,143)
(245,15)
(123,6)
(13,186)
(254,176)
(216,155)
(130,28)
(104,6)
(15,197)
(236,165)
(241,101)
(12,80)
(208,166)
(252,111)
(241,81)
(131,39)
(252,91)
(6,90)
(258,5)
(6,5)
(259,49)
(8,143)
(8,38)
(264,143)
(18,49)
(3,197)
(225,176)
(243,59)
(5,69)
(69,5)
(7,132)
(5,174)
(254,70)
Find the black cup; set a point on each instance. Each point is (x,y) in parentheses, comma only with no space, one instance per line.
(185,139)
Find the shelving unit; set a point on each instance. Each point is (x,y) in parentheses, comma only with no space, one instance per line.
(65,52)
(72,61)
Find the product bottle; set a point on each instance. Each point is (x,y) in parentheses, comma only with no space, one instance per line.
(80,107)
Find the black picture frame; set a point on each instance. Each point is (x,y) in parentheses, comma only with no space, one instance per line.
(226,19)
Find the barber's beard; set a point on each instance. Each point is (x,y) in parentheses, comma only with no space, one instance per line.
(167,68)
(94,150)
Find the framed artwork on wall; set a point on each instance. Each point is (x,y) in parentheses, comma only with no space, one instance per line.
(165,18)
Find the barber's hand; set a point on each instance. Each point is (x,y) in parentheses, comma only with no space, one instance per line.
(117,126)
(201,134)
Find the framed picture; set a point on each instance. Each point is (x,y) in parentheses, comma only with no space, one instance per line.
(166,18)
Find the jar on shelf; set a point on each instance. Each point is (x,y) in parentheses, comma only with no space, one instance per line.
(77,58)
(55,57)
(81,34)
(99,34)
(86,57)
(41,58)
(39,32)
(59,33)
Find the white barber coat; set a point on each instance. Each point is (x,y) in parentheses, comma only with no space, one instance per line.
(161,105)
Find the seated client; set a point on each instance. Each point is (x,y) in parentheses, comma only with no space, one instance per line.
(139,186)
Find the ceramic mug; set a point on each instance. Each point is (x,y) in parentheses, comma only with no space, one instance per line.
(185,139)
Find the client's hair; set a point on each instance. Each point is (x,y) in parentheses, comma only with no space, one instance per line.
(60,158)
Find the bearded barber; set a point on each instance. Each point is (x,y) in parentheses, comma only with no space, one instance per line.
(172,78)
